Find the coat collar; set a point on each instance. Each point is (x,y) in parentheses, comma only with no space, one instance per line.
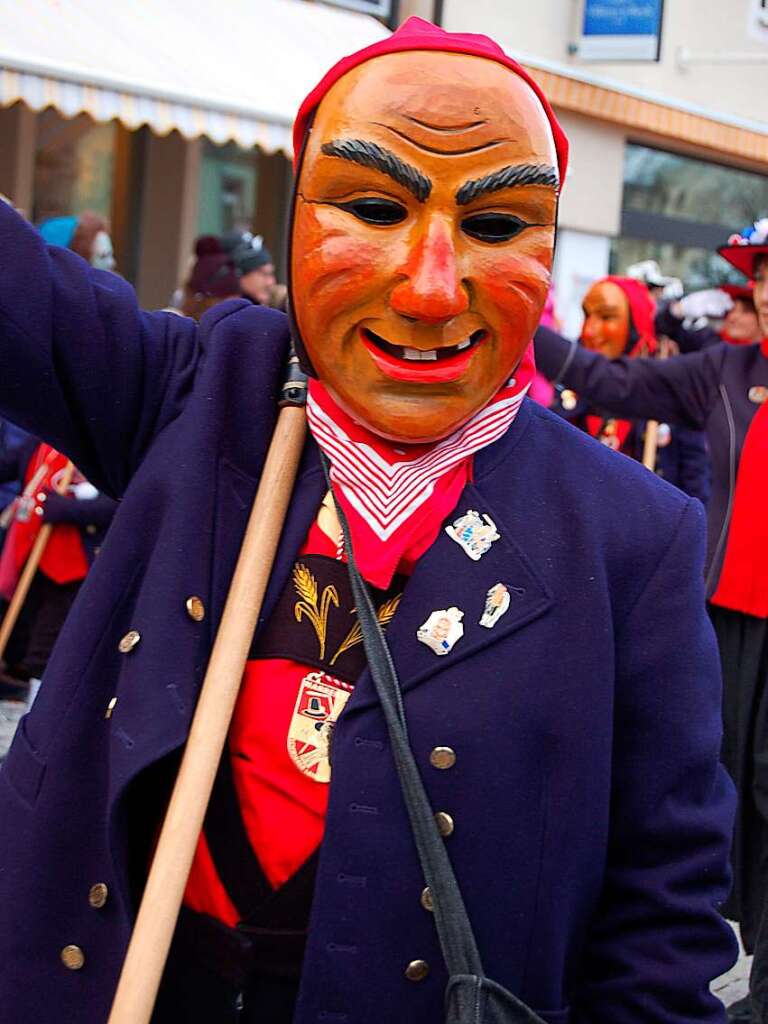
(446,576)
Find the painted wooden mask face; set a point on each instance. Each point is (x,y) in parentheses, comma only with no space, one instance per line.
(422,239)
(606,320)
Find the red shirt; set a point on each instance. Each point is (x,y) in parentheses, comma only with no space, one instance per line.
(278,743)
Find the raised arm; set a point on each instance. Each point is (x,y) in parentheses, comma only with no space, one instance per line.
(659,939)
(679,390)
(81,366)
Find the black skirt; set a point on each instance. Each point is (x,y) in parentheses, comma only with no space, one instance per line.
(743,642)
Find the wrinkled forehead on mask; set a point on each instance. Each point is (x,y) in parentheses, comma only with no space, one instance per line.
(440,105)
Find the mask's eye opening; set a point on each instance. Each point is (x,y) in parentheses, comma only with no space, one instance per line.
(493,227)
(373,210)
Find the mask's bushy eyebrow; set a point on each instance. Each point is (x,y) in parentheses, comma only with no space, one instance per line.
(370,154)
(508,177)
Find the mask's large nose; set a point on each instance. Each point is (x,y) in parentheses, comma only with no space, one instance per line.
(432,290)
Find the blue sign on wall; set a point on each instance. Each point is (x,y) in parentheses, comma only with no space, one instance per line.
(621,30)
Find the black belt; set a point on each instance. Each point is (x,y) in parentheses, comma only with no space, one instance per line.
(238,955)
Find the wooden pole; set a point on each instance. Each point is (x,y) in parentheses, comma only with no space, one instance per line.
(650,445)
(148,949)
(30,567)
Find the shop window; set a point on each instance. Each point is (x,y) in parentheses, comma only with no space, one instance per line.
(677,210)
(245,190)
(74,166)
(228,183)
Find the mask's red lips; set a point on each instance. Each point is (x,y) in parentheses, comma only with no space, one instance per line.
(435,366)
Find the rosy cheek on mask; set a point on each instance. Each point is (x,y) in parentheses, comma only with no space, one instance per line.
(513,290)
(334,271)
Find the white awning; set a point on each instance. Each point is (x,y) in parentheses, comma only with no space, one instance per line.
(235,70)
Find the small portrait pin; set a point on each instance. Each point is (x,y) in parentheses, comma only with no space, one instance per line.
(496,605)
(473,533)
(758,394)
(442,630)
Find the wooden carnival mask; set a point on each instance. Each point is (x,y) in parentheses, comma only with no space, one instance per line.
(606,320)
(422,238)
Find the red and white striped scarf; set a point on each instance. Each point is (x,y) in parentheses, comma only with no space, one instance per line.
(396,496)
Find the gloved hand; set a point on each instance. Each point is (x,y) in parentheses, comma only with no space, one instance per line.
(711,303)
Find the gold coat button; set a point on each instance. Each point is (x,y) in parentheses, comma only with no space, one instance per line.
(129,641)
(72,957)
(445,824)
(442,757)
(417,970)
(195,608)
(426,899)
(97,895)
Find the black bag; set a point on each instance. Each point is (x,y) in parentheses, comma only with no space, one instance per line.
(470,997)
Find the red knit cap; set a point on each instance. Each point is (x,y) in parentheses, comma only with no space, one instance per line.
(417,34)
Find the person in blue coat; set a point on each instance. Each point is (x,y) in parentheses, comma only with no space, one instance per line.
(542,600)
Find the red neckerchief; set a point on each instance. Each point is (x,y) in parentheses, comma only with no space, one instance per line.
(743,584)
(396,496)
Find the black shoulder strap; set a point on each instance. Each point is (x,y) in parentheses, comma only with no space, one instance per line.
(457,940)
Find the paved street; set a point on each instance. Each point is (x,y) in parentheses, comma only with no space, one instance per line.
(10,713)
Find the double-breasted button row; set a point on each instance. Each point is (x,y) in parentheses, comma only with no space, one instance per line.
(417,970)
(97,895)
(131,639)
(445,823)
(72,957)
(442,758)
(195,610)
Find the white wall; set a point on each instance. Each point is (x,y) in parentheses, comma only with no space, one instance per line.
(591,196)
(544,28)
(580,259)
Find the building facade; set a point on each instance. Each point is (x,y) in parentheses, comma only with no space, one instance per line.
(669,155)
(669,149)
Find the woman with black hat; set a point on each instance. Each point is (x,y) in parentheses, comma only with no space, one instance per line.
(724,390)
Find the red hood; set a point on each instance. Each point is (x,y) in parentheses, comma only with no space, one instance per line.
(417,34)
(642,312)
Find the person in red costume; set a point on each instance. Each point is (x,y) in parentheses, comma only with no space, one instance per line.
(80,518)
(619,321)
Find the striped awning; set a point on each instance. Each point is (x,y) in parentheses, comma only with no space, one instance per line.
(643,113)
(234,71)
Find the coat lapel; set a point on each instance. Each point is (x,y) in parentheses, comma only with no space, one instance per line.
(447,577)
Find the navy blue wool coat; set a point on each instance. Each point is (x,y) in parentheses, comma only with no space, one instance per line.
(592,820)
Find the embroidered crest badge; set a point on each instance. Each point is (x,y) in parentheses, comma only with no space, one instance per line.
(442,630)
(319,703)
(496,605)
(473,533)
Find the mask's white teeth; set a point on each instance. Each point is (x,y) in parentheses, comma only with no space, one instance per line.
(463,345)
(417,355)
